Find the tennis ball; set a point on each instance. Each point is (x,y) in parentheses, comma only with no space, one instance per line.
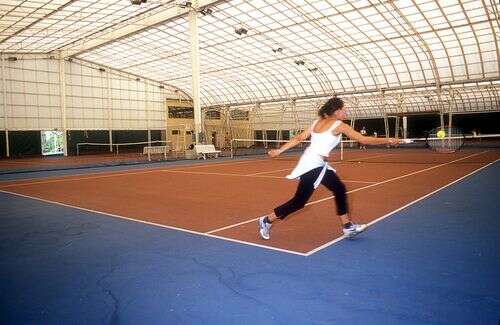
(441,134)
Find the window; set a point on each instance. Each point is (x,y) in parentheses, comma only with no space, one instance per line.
(180,112)
(52,143)
(212,115)
(239,115)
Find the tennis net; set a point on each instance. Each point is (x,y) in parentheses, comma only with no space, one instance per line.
(256,147)
(132,150)
(417,150)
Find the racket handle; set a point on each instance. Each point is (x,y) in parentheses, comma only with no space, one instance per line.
(405,141)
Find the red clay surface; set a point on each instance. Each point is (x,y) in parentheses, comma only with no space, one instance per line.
(207,197)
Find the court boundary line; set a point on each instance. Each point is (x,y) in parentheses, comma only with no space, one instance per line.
(402,176)
(217,174)
(194,232)
(357,189)
(402,208)
(17,162)
(246,175)
(67,178)
(330,162)
(105,174)
(269,172)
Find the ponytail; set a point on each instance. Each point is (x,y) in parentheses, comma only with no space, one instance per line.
(330,107)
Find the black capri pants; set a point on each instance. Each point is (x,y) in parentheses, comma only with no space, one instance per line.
(306,188)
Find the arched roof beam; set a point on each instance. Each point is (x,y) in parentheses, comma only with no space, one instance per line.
(34,22)
(404,38)
(423,43)
(376,43)
(145,23)
(496,14)
(350,49)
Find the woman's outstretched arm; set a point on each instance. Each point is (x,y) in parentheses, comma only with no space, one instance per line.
(290,143)
(354,135)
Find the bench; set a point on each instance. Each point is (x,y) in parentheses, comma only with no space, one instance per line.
(205,150)
(155,150)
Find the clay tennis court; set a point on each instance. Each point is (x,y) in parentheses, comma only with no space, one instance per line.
(223,198)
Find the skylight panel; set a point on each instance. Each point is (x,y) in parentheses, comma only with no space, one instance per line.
(349,42)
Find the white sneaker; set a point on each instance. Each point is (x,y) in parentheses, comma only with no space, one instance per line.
(354,230)
(264,228)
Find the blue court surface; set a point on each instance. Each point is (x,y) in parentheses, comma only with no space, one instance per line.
(434,262)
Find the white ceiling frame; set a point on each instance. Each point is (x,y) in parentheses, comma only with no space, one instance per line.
(145,23)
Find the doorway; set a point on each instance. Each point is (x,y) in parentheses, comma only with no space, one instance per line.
(214,138)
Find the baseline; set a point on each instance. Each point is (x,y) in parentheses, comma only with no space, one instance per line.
(153,223)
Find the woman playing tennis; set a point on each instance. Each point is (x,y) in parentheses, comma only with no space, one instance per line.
(313,169)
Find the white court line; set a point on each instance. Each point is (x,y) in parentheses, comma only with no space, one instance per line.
(218,174)
(331,163)
(78,178)
(199,173)
(269,172)
(352,181)
(366,158)
(243,175)
(106,174)
(247,175)
(154,224)
(146,171)
(399,177)
(68,178)
(401,208)
(21,162)
(355,190)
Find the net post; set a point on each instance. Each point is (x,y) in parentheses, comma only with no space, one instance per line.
(231,148)
(341,150)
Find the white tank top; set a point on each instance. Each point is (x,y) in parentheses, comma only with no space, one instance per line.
(324,142)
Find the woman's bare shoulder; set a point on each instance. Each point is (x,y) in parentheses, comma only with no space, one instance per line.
(341,128)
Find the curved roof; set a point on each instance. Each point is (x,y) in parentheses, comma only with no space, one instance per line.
(275,50)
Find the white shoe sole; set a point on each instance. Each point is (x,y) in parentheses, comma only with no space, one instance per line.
(354,233)
(261,231)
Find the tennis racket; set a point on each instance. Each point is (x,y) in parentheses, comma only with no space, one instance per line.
(445,139)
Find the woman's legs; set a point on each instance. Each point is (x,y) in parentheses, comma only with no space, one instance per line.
(334,184)
(304,191)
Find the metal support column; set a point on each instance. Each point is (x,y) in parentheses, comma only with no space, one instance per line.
(146,103)
(195,64)
(450,111)
(62,94)
(386,120)
(110,112)
(5,115)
